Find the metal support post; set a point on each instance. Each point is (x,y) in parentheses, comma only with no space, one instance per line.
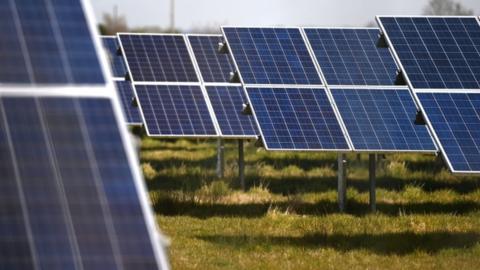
(241,165)
(342,182)
(372,162)
(220,158)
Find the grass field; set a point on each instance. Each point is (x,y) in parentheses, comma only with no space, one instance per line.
(288,218)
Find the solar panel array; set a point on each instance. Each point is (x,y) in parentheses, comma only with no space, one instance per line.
(71,196)
(271,56)
(296,118)
(167,87)
(226,98)
(382,120)
(129,103)
(378,116)
(175,109)
(349,56)
(47,52)
(158,58)
(366,109)
(437,52)
(439,57)
(123,87)
(282,84)
(214,67)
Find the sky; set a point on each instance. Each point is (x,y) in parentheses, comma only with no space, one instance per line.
(194,14)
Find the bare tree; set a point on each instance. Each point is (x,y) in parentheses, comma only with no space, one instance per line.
(446,7)
(113,23)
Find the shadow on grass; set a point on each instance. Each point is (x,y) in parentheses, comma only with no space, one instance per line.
(382,244)
(294,185)
(171,207)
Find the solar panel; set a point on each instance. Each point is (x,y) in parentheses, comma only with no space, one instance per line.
(436,52)
(64,159)
(271,56)
(456,123)
(214,66)
(382,120)
(37,49)
(175,110)
(117,64)
(127,96)
(227,103)
(70,196)
(349,56)
(158,58)
(296,119)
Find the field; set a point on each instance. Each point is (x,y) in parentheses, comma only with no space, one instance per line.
(288,218)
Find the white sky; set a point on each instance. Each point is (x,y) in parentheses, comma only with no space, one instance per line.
(198,13)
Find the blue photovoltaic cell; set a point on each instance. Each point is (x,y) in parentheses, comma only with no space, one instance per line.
(227,103)
(117,64)
(64,166)
(437,52)
(158,58)
(456,120)
(172,110)
(214,66)
(271,56)
(127,96)
(382,119)
(47,42)
(296,119)
(351,56)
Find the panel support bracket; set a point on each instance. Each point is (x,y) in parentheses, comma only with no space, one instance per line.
(222,47)
(234,77)
(400,79)
(382,41)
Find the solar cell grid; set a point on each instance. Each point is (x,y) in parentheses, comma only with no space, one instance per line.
(227,103)
(47,42)
(296,119)
(214,67)
(63,158)
(382,120)
(117,64)
(127,96)
(436,52)
(271,56)
(456,122)
(349,56)
(158,58)
(175,110)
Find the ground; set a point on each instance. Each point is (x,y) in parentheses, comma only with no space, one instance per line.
(288,218)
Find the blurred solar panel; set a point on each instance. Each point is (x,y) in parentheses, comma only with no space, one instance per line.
(127,96)
(227,103)
(436,52)
(37,49)
(382,120)
(350,56)
(271,56)
(175,110)
(456,123)
(214,66)
(296,119)
(117,64)
(76,188)
(70,197)
(158,58)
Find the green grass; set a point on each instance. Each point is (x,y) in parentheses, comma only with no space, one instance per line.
(288,219)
